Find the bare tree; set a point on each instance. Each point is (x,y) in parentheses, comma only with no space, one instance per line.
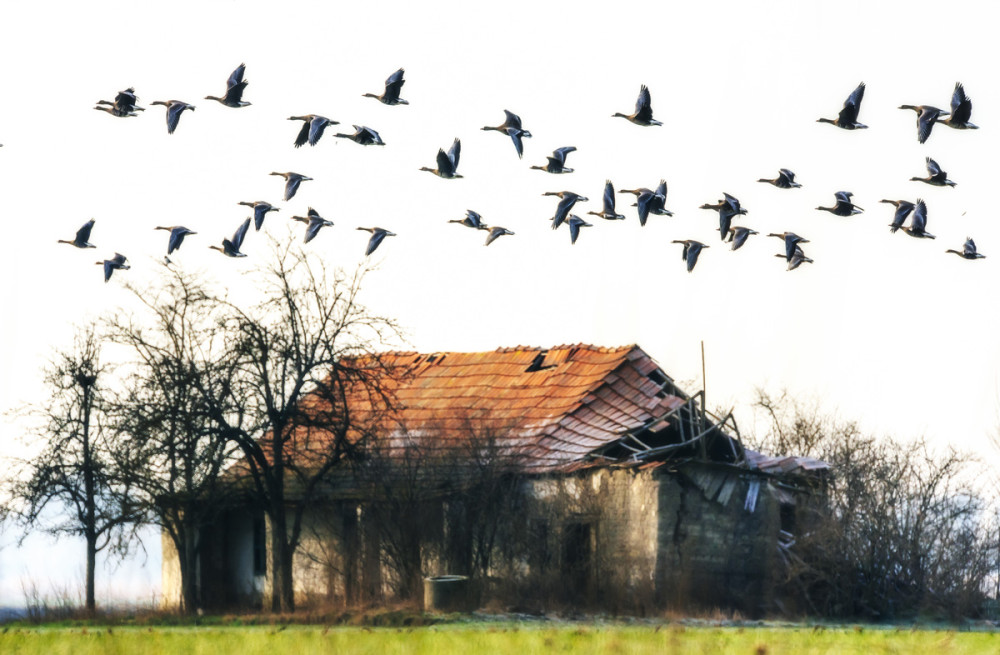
(170,449)
(901,530)
(71,485)
(294,357)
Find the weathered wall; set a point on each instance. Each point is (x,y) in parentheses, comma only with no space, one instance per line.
(170,574)
(624,539)
(711,553)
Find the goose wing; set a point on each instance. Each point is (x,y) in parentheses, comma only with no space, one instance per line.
(378,234)
(239,234)
(919,221)
(174,115)
(303,136)
(445,166)
(83,234)
(560,153)
(849,114)
(316,127)
(932,168)
(643,108)
(969,250)
(515,136)
(961,105)
(454,153)
(393,84)
(786,177)
(609,198)
(513,120)
(236,77)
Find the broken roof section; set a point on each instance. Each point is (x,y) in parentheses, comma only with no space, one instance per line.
(559,408)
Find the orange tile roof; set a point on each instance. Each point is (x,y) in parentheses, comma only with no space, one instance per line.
(584,397)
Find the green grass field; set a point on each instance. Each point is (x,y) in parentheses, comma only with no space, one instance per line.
(502,638)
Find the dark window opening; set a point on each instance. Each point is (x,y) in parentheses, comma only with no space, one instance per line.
(259,546)
(540,556)
(578,558)
(788,518)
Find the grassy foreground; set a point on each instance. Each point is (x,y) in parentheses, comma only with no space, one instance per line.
(502,638)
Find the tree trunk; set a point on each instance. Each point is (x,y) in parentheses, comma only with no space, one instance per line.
(187,555)
(282,592)
(91,565)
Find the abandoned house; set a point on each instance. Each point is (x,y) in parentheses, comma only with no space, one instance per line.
(577,475)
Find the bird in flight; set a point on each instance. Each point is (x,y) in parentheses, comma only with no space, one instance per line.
(557,162)
(235,86)
(935,176)
(472,219)
(312,128)
(961,110)
(260,209)
(390,96)
(314,222)
(643,114)
(177,234)
(174,110)
(903,209)
(608,212)
(496,233)
(124,105)
(378,235)
(848,117)
(844,206)
(231,247)
(785,180)
(366,136)
(926,117)
(82,239)
(691,251)
(113,264)
(568,199)
(292,181)
(739,235)
(968,250)
(512,128)
(447,162)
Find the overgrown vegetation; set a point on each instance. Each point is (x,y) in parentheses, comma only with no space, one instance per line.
(900,530)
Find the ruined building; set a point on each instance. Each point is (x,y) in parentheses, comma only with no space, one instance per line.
(573,476)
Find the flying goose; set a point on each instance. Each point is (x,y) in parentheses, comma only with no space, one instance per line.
(378,235)
(82,239)
(844,206)
(366,136)
(961,110)
(231,247)
(968,250)
(390,96)
(447,162)
(935,176)
(174,110)
(643,114)
(557,162)
(926,117)
(608,212)
(691,251)
(848,116)
(177,234)
(235,86)
(292,181)
(512,128)
(111,265)
(785,180)
(314,221)
(312,128)
(260,209)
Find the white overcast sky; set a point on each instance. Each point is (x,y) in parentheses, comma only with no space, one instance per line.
(882,328)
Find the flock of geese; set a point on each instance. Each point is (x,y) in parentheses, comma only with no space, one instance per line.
(647,201)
